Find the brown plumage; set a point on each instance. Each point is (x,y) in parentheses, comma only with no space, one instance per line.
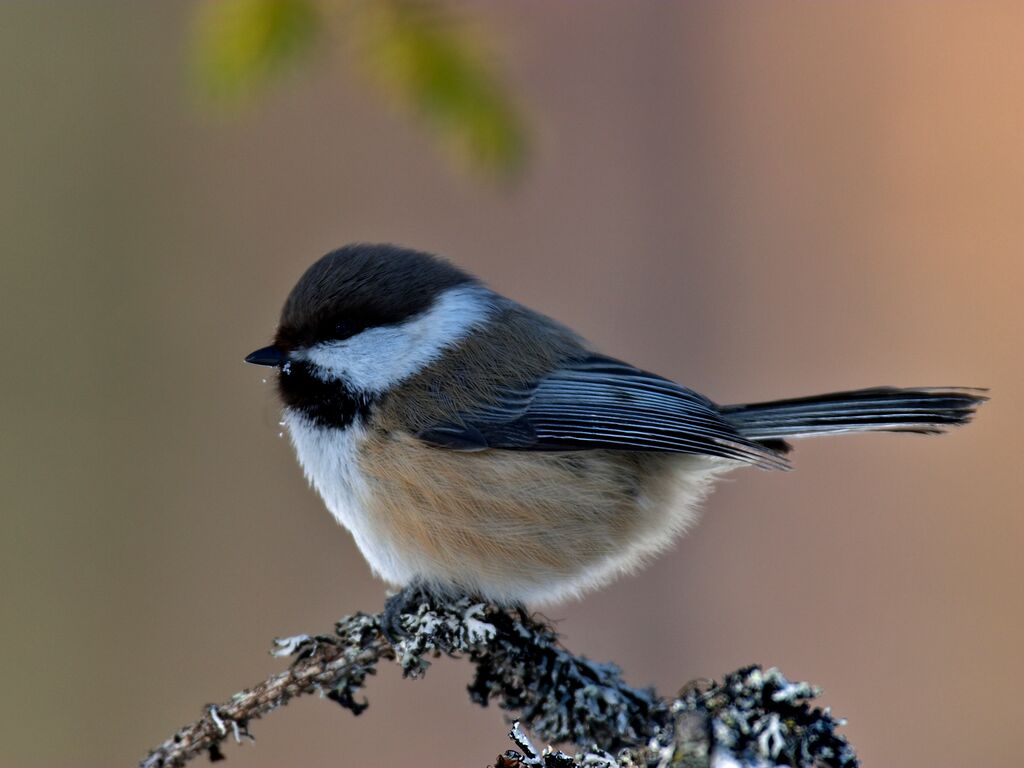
(506,352)
(531,527)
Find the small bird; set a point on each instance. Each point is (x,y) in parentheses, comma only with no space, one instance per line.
(473,445)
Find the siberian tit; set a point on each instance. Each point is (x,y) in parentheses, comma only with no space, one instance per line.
(471,444)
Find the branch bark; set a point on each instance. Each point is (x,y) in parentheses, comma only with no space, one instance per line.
(753,717)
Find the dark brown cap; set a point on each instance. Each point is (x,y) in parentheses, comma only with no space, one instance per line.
(363,285)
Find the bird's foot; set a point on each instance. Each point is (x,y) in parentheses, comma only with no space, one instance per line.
(400,605)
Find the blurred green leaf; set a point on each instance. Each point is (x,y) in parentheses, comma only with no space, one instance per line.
(240,46)
(420,54)
(430,63)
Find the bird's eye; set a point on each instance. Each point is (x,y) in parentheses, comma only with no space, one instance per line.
(343,330)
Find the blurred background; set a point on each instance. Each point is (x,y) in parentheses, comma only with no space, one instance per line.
(757,199)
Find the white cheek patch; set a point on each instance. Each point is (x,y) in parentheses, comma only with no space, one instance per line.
(378,358)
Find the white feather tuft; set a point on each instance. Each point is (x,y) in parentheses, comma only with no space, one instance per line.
(378,358)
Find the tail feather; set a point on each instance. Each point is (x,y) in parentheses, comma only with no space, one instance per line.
(881,409)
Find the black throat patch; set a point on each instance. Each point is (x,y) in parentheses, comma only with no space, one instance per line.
(325,403)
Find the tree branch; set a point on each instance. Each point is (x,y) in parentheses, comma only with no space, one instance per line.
(753,717)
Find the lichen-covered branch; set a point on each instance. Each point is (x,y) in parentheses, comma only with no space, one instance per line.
(752,717)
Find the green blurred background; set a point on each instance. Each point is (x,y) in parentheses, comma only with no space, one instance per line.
(757,199)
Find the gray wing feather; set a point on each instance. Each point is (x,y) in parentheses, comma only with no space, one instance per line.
(601,403)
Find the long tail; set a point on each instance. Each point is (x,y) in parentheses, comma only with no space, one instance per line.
(881,409)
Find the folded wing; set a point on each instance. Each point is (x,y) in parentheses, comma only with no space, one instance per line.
(601,403)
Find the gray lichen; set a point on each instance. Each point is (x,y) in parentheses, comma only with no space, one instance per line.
(754,717)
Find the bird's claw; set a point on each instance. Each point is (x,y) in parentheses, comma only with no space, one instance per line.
(404,603)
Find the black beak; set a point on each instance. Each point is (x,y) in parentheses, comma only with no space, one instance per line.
(267,356)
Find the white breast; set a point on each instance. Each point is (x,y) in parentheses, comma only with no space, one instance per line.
(369,363)
(328,459)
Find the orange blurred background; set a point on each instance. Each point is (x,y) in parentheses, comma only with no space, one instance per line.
(757,199)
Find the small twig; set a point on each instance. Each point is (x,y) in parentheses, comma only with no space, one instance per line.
(753,717)
(531,755)
(320,664)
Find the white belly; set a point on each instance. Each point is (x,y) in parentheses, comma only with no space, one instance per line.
(328,458)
